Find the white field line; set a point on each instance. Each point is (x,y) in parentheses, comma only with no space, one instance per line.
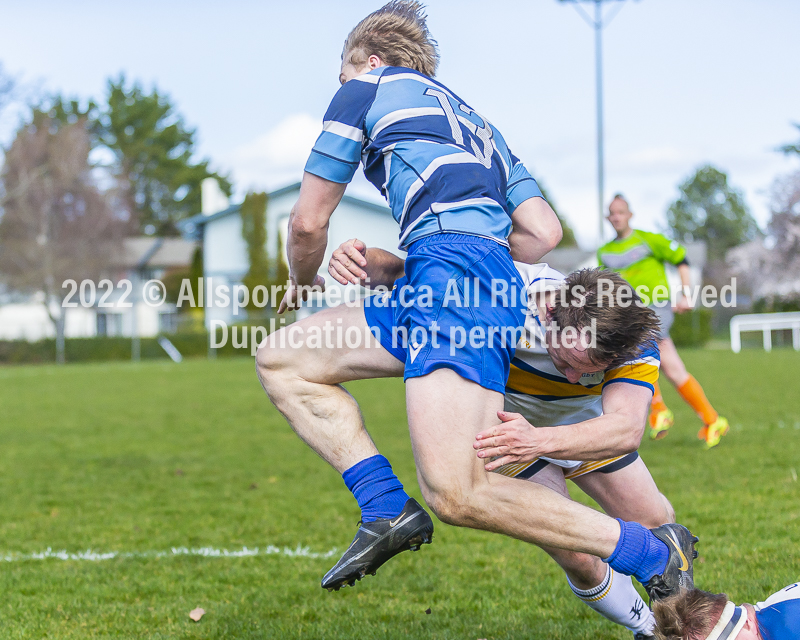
(206,552)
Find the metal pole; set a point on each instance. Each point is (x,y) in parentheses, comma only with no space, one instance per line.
(598,54)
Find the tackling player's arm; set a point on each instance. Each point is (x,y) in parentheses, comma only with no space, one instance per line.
(308,236)
(354,263)
(617,432)
(536,230)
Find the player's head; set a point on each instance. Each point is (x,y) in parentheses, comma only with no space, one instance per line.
(619,214)
(619,324)
(693,614)
(395,35)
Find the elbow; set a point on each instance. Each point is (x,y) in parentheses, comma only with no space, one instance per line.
(548,232)
(552,235)
(305,226)
(634,438)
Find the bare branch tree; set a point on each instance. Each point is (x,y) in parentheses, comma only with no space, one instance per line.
(56,223)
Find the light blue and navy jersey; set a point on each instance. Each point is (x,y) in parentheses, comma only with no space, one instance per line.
(441,166)
(779,615)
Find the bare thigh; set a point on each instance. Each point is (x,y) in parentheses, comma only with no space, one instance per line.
(630,494)
(332,346)
(584,571)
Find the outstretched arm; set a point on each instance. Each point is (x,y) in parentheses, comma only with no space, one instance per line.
(308,235)
(536,230)
(617,432)
(354,263)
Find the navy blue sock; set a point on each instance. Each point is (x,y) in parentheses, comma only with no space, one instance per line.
(378,491)
(639,553)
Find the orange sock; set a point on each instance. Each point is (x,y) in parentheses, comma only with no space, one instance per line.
(692,393)
(656,404)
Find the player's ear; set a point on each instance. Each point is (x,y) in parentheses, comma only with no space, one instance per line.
(374,62)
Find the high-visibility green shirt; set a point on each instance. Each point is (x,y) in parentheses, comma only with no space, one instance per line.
(640,259)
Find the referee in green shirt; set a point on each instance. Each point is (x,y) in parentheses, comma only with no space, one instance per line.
(639,256)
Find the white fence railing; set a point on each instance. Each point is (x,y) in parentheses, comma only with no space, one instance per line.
(766,323)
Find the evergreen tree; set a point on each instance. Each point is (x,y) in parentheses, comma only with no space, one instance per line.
(154,150)
(792,148)
(711,210)
(254,232)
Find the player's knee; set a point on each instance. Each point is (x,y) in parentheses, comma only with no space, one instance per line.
(271,366)
(669,510)
(449,504)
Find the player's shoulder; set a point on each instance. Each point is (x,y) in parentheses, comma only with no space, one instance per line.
(355,94)
(655,238)
(787,594)
(647,355)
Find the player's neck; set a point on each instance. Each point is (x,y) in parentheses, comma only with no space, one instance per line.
(625,233)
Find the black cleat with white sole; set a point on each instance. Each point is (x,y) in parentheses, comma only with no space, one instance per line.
(679,572)
(378,541)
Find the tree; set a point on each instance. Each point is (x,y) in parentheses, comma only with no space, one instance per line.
(7,86)
(784,224)
(263,270)
(56,223)
(154,151)
(254,232)
(792,148)
(711,210)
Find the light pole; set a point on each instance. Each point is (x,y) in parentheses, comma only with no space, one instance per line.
(598,22)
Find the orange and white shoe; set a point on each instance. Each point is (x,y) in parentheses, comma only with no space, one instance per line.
(660,422)
(712,433)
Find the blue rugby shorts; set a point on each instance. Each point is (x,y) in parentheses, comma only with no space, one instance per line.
(460,306)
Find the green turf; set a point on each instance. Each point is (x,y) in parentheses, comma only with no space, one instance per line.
(142,458)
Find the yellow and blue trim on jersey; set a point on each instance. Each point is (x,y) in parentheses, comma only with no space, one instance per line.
(527,379)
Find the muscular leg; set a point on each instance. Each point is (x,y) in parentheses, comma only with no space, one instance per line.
(304,382)
(688,388)
(445,412)
(671,363)
(610,594)
(630,494)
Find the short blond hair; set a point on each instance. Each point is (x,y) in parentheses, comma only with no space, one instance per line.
(398,34)
(689,615)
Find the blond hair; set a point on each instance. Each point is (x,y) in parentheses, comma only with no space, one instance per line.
(689,615)
(398,35)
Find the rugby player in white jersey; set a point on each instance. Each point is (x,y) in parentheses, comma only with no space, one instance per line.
(466,207)
(595,399)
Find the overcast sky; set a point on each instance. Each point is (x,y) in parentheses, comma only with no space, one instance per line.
(686,82)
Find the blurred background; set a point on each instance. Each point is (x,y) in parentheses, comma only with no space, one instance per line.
(167,140)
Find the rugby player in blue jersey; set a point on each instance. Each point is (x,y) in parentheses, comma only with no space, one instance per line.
(699,615)
(465,205)
(593,401)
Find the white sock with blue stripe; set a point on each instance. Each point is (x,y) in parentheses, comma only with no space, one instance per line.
(616,598)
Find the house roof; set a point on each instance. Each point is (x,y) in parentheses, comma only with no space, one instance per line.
(155,253)
(189,226)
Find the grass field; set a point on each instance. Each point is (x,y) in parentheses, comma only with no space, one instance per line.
(138,459)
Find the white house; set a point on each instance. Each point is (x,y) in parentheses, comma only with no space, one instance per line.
(225,260)
(108,307)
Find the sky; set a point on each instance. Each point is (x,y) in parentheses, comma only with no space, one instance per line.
(686,82)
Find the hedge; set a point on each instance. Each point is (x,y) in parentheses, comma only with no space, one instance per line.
(692,328)
(107,348)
